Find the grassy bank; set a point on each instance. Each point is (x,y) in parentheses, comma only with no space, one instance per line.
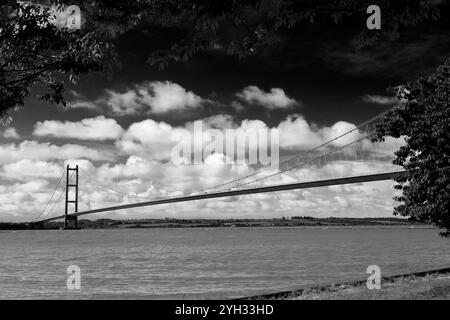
(418,286)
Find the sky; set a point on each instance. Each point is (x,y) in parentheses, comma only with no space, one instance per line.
(311,86)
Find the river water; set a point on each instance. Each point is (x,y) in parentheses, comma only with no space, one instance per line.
(206,263)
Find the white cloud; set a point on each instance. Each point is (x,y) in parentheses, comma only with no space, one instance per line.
(27,169)
(148,138)
(33,150)
(167,96)
(153,140)
(390,145)
(157,97)
(166,178)
(11,133)
(297,134)
(275,99)
(99,128)
(21,201)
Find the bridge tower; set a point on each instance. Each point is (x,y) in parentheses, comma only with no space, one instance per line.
(71,222)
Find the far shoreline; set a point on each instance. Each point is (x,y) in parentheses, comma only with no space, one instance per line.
(284,222)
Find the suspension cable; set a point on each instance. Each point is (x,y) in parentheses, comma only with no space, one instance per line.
(51,197)
(98,184)
(303,163)
(57,201)
(376,117)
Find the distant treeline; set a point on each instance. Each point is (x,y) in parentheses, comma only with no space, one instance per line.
(13,226)
(275,222)
(195,223)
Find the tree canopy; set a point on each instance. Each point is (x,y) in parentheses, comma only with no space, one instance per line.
(423,118)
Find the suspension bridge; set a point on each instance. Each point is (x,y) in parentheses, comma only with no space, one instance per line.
(347,158)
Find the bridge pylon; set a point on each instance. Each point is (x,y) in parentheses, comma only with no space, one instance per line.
(71,222)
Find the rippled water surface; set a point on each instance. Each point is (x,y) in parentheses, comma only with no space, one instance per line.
(206,263)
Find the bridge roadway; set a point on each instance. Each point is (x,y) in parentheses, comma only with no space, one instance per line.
(274,188)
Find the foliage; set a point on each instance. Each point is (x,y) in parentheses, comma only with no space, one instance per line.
(423,117)
(35,51)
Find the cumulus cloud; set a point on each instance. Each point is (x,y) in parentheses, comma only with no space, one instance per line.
(156,140)
(167,96)
(297,134)
(27,169)
(390,145)
(33,150)
(28,172)
(99,128)
(166,178)
(276,98)
(10,133)
(157,97)
(22,200)
(148,138)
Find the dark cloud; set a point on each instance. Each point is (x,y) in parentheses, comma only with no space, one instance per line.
(401,59)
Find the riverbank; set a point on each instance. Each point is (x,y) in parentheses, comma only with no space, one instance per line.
(427,285)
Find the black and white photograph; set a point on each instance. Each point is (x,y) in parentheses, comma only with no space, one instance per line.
(225,155)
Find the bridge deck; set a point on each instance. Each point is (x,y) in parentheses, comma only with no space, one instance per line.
(292,186)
